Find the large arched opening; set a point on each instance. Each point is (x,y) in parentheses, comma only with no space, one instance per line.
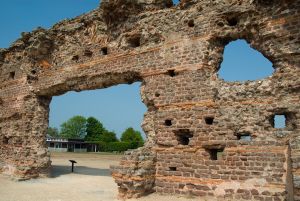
(117,109)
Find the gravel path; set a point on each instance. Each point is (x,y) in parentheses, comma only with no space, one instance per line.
(91,181)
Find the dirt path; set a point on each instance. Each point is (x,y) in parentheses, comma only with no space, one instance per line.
(90,182)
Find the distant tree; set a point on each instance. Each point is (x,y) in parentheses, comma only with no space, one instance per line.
(53,132)
(131,135)
(75,127)
(109,136)
(94,129)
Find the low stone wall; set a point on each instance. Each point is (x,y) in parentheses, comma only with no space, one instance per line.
(135,175)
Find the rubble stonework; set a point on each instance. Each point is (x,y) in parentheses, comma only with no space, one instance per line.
(194,121)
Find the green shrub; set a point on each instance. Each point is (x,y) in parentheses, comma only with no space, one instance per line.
(117,146)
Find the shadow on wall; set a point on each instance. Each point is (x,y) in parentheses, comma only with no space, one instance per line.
(60,170)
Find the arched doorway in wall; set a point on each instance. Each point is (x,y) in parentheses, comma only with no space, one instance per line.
(118,109)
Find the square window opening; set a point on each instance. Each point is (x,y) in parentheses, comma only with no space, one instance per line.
(216,154)
(171,73)
(168,122)
(12,75)
(279,121)
(191,23)
(134,41)
(244,137)
(75,58)
(104,51)
(232,21)
(284,120)
(173,168)
(183,136)
(209,120)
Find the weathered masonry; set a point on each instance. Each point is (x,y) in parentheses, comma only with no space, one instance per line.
(206,137)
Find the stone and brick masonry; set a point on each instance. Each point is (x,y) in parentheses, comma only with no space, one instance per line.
(196,123)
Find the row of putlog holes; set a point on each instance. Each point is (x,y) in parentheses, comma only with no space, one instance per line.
(134,42)
(184,135)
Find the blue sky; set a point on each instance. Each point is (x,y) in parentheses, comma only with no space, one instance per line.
(241,62)
(120,106)
(25,15)
(117,107)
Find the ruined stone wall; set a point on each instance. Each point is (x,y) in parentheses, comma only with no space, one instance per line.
(193,116)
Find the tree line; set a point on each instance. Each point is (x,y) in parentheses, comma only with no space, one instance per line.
(92,130)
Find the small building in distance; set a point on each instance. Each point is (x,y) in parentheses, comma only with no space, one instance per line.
(70,145)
